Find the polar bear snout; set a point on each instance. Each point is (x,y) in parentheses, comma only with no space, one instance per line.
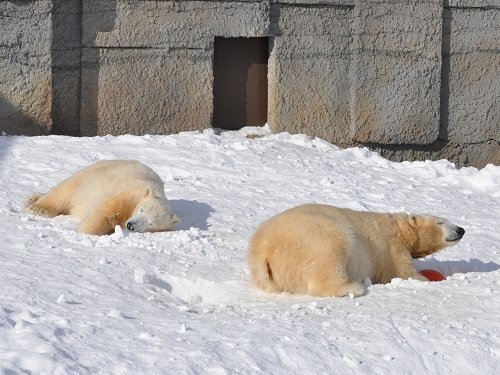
(130,226)
(455,233)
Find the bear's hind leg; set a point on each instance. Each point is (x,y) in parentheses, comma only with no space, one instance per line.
(32,199)
(329,275)
(43,205)
(334,286)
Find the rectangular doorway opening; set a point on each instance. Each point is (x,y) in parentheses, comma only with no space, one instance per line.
(240,82)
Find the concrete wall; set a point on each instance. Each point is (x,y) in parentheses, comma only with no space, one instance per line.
(474,80)
(396,71)
(25,67)
(147,65)
(66,60)
(310,41)
(413,79)
(470,88)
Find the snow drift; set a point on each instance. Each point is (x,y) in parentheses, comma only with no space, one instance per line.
(181,302)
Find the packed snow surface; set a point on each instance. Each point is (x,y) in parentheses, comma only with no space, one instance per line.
(182,302)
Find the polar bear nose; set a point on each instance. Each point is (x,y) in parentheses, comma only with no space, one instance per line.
(130,226)
(460,231)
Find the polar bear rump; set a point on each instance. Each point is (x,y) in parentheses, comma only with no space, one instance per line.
(328,251)
(109,193)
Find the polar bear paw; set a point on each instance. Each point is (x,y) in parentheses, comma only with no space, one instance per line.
(33,198)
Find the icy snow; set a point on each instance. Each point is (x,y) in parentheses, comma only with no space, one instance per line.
(181,302)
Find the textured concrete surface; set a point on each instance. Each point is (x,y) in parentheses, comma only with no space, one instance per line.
(66,58)
(311,42)
(396,71)
(163,24)
(25,67)
(320,3)
(144,71)
(145,91)
(474,3)
(474,70)
(463,154)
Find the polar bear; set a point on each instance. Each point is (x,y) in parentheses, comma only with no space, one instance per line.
(323,250)
(106,194)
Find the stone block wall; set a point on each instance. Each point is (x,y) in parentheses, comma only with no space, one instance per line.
(120,95)
(310,42)
(413,79)
(66,60)
(396,71)
(474,80)
(147,65)
(25,67)
(470,89)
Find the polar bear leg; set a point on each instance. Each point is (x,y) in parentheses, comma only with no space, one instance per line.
(97,222)
(405,269)
(413,275)
(32,199)
(46,205)
(334,286)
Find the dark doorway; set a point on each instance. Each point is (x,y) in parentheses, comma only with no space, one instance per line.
(240,82)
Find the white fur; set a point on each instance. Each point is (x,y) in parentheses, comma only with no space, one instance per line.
(328,251)
(106,194)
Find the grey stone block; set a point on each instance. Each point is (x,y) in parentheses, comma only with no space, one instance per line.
(474,3)
(308,72)
(311,21)
(474,76)
(321,3)
(66,36)
(145,91)
(67,7)
(396,71)
(479,154)
(462,154)
(67,31)
(163,24)
(66,102)
(25,67)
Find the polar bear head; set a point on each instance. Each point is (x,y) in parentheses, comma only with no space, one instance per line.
(430,234)
(152,214)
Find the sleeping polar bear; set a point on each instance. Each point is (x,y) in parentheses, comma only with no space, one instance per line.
(106,194)
(328,251)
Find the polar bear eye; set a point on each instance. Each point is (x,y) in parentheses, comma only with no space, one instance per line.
(142,210)
(439,223)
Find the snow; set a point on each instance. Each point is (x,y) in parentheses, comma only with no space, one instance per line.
(181,302)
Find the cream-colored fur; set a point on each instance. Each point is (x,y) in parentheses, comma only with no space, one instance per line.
(106,194)
(328,251)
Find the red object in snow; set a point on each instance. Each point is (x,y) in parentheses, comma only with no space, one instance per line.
(432,275)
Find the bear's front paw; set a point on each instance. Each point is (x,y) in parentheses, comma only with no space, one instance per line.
(418,276)
(353,289)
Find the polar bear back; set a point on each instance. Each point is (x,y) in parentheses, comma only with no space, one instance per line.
(94,184)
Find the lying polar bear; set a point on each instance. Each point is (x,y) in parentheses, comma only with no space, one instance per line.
(328,251)
(106,194)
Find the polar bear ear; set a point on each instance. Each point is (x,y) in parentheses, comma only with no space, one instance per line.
(175,219)
(412,218)
(148,192)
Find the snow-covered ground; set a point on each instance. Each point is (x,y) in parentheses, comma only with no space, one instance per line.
(181,302)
